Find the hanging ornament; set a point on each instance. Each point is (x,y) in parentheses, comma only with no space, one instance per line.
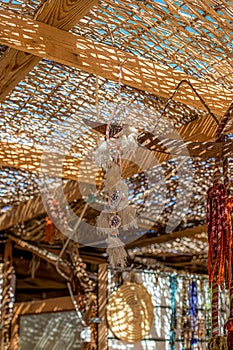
(117,214)
(114,198)
(49,230)
(128,141)
(56,217)
(115,221)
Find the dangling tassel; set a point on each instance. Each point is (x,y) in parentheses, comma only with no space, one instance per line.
(102,223)
(49,231)
(116,252)
(229,324)
(112,176)
(217,342)
(128,218)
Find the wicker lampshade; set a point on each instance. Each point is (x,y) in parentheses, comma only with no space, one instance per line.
(130,312)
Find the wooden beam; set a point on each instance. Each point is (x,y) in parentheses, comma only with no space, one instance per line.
(170,146)
(52,43)
(35,207)
(30,159)
(145,241)
(63,14)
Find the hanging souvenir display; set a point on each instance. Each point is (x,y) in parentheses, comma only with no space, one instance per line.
(117,215)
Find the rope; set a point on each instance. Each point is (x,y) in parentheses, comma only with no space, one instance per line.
(215,328)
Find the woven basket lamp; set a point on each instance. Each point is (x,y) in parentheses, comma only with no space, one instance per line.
(130,312)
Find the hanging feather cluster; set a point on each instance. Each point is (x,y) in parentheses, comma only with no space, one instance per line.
(108,150)
(117,214)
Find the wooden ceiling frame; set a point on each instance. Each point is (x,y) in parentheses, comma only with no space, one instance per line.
(188,232)
(16,64)
(46,41)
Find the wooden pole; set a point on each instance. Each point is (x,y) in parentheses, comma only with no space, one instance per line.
(102,302)
(7,290)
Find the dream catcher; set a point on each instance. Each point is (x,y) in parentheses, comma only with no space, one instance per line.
(117,213)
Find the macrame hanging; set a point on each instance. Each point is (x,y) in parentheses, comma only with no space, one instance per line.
(220,236)
(219,227)
(117,214)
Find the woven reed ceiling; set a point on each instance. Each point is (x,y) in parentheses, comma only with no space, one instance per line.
(48,103)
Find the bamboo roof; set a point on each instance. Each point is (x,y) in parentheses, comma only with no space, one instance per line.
(59,82)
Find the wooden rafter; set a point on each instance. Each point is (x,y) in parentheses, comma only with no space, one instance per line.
(52,43)
(56,165)
(15,64)
(35,207)
(189,232)
(29,158)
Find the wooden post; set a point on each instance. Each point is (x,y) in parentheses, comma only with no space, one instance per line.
(102,302)
(8,273)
